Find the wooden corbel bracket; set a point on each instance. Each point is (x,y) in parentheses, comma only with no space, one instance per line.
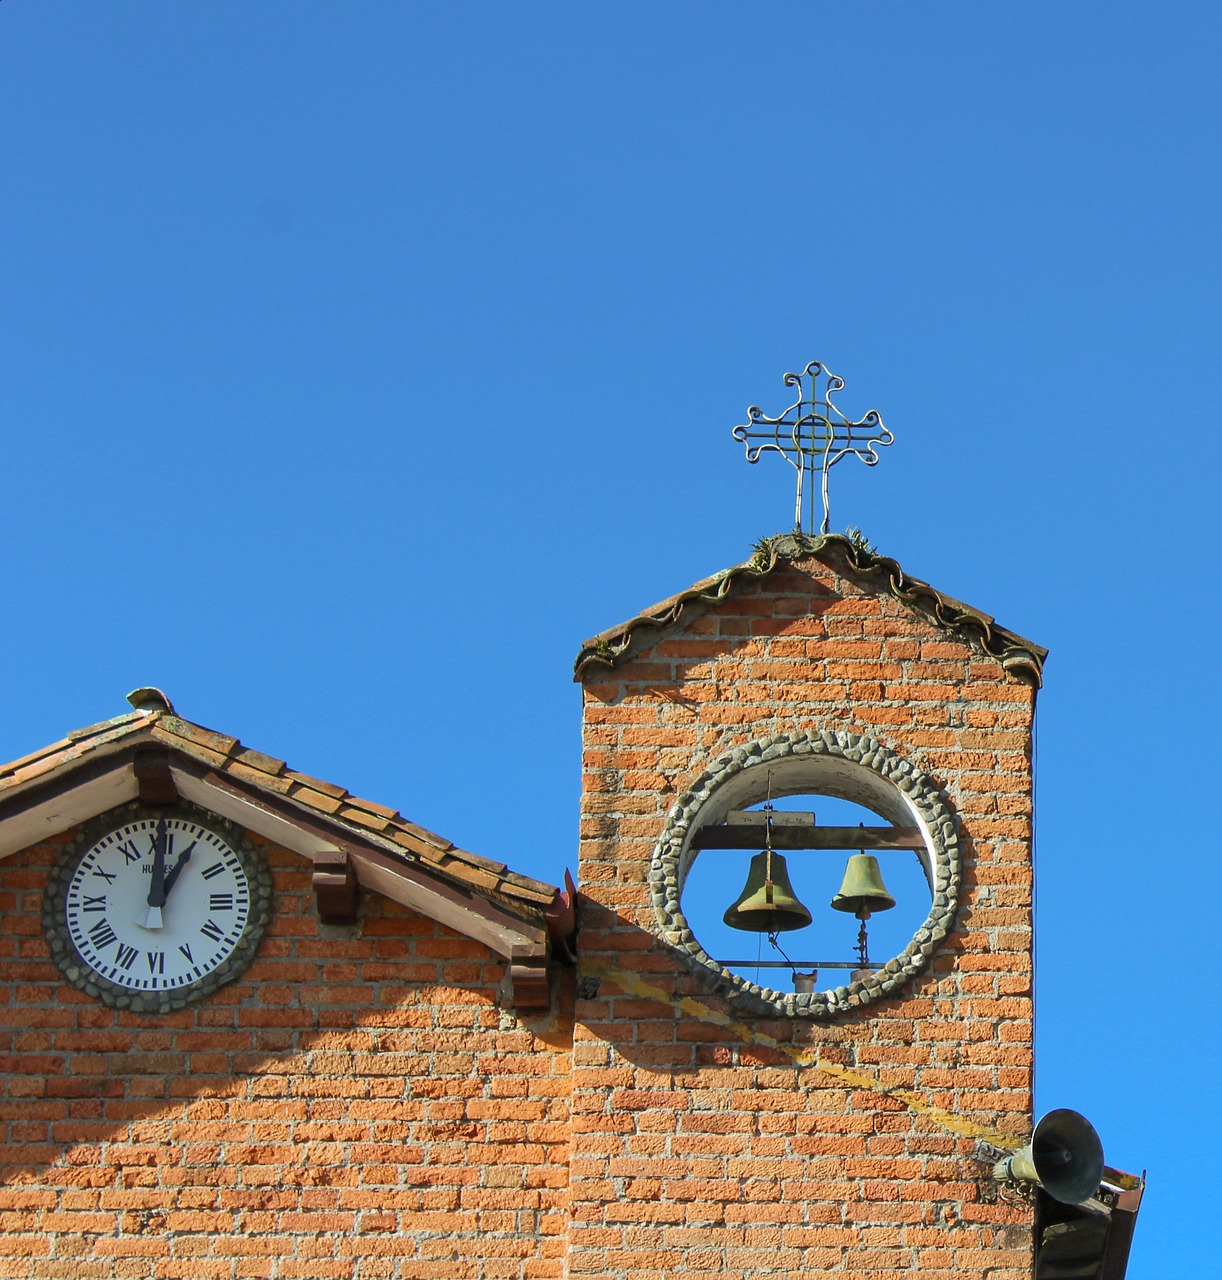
(528,985)
(154,781)
(336,891)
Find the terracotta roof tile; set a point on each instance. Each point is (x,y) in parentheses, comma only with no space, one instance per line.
(430,838)
(257,760)
(192,748)
(15,766)
(406,840)
(476,860)
(227,756)
(473,875)
(72,747)
(533,890)
(79,747)
(104,726)
(48,764)
(362,817)
(316,784)
(221,743)
(315,799)
(235,769)
(382,810)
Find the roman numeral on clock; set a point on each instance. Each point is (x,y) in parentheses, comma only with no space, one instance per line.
(212,930)
(220,902)
(126,956)
(94,904)
(214,870)
(129,851)
(102,935)
(156,961)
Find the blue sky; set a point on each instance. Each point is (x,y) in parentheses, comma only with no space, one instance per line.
(358,361)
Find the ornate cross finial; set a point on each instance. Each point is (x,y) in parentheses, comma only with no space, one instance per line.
(812,435)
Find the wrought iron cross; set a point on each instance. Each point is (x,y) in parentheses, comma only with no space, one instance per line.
(812,435)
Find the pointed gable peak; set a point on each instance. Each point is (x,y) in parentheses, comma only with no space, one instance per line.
(860,563)
(156,757)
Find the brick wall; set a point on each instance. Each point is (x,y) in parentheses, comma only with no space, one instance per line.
(356,1106)
(362,1103)
(706,1142)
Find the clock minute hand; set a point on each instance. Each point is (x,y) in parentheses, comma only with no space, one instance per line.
(157,888)
(183,858)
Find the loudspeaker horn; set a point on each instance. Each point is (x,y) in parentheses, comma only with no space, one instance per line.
(1064,1156)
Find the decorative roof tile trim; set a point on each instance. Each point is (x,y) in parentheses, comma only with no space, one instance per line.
(1022,658)
(243,764)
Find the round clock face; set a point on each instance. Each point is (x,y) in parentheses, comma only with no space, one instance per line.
(150,910)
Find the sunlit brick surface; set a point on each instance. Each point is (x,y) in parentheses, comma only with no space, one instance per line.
(356,1106)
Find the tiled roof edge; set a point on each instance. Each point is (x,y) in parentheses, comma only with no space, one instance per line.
(228,756)
(73,746)
(1022,658)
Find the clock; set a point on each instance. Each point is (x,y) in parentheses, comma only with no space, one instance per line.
(152,909)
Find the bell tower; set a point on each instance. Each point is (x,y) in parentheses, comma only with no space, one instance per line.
(772,1122)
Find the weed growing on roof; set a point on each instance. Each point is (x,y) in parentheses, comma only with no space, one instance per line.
(860,541)
(763,557)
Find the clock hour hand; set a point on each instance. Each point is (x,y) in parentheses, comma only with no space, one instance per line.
(172,879)
(157,888)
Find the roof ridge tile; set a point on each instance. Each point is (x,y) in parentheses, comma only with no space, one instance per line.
(104,726)
(221,743)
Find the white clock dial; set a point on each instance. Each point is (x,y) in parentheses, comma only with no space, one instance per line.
(181,940)
(157,909)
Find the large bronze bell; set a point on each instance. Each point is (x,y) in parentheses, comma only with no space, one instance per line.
(863,891)
(768,903)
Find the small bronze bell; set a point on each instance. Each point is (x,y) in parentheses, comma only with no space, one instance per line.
(863,891)
(768,903)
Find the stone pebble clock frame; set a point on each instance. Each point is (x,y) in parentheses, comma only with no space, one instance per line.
(153,908)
